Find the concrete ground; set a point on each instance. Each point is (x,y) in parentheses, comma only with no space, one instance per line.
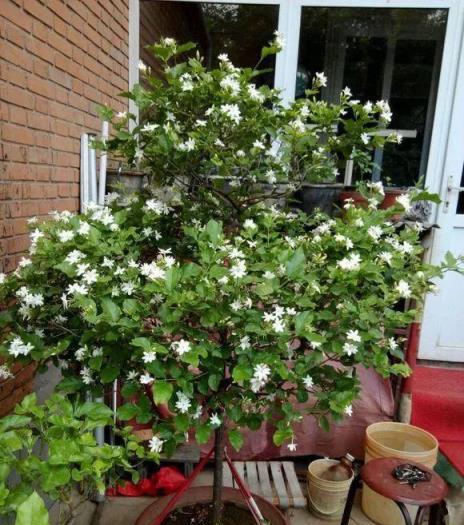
(124,511)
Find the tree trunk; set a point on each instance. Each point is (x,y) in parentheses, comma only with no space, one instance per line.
(217,485)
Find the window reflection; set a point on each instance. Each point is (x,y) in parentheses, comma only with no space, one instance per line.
(240,30)
(390,54)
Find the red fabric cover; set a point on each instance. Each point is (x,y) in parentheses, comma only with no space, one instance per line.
(165,481)
(438,407)
(375,404)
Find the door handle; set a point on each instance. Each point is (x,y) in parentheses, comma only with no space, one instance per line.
(450,188)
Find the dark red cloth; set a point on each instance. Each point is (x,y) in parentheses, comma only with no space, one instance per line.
(438,407)
(375,404)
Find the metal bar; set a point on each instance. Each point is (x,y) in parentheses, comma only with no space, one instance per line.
(248,497)
(103,164)
(84,170)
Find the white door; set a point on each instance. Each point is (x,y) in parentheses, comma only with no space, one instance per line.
(442,332)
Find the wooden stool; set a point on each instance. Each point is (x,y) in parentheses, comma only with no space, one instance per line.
(377,475)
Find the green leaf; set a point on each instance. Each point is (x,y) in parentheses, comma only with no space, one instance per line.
(324,423)
(213,229)
(128,411)
(281,435)
(66,268)
(109,373)
(111,311)
(142,342)
(202,434)
(296,264)
(162,392)
(213,381)
(32,511)
(236,439)
(426,196)
(242,372)
(182,422)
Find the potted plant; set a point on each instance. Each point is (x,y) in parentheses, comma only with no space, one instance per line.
(50,449)
(226,306)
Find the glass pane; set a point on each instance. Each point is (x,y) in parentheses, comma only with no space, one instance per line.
(240,30)
(460,207)
(390,54)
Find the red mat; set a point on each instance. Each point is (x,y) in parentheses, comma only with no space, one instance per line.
(438,407)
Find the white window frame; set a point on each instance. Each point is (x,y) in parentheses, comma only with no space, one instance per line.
(286,62)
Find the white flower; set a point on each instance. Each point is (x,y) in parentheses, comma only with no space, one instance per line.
(321,79)
(97,351)
(128,288)
(148,128)
(24,262)
(157,206)
(107,263)
(223,280)
(181,347)
(5,373)
(84,228)
(146,379)
(2,277)
(245,343)
(359,222)
(393,345)
(250,224)
(386,257)
(404,201)
(270,176)
(403,289)
(86,374)
(188,145)
(215,420)
(347,92)
(82,268)
(368,106)
(152,271)
(183,403)
(385,111)
(350,348)
(79,354)
(232,111)
(240,153)
(279,39)
(156,445)
(230,83)
(278,325)
(308,382)
(149,357)
(186,83)
(258,145)
(77,288)
(365,138)
(90,276)
(132,375)
(262,372)
(223,57)
(238,270)
(268,275)
(119,270)
(121,114)
(375,232)
(292,446)
(255,94)
(406,247)
(168,41)
(348,410)
(353,335)
(111,197)
(350,263)
(236,305)
(19,347)
(32,220)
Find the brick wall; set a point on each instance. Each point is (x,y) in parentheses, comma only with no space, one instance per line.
(58,59)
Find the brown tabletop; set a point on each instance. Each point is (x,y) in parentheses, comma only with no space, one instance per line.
(378,475)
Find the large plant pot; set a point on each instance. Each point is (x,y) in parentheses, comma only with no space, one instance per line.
(132,181)
(389,200)
(318,196)
(196,495)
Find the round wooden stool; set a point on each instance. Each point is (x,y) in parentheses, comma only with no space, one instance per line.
(378,475)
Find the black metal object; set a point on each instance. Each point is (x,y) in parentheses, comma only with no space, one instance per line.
(408,474)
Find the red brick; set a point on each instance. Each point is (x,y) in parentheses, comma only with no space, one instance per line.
(19,134)
(15,15)
(39,11)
